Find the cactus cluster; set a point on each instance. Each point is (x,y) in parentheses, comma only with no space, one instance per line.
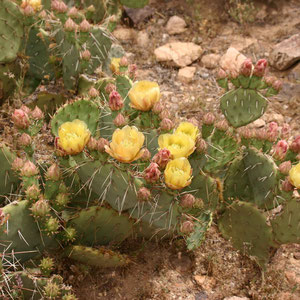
(121,168)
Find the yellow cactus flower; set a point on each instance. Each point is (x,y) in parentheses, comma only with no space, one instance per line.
(178,173)
(35,4)
(126,144)
(189,129)
(179,144)
(295,176)
(144,94)
(115,65)
(73,136)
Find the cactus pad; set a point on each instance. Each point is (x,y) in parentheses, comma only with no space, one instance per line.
(252,178)
(286,226)
(247,228)
(83,110)
(100,257)
(242,106)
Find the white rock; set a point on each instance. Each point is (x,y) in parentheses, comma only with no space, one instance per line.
(124,34)
(142,39)
(236,298)
(176,25)
(210,61)
(232,60)
(186,74)
(286,53)
(258,123)
(274,117)
(182,54)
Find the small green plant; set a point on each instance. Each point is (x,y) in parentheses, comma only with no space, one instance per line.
(242,11)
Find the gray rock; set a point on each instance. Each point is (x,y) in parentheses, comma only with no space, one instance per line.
(142,39)
(176,25)
(286,53)
(210,61)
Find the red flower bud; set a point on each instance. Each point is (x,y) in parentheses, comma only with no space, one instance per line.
(110,87)
(280,149)
(101,144)
(115,101)
(92,144)
(270,80)
(260,68)
(73,12)
(221,74)
(187,201)
(17,164)
(295,146)
(146,155)
(62,7)
(209,118)
(162,158)
(261,134)
(285,167)
(24,140)
(70,25)
(29,169)
(37,114)
(28,11)
(85,26)
(85,55)
(187,227)
(152,173)
(123,62)
(286,186)
(247,133)
(33,192)
(53,172)
(132,69)
(20,119)
(120,120)
(93,93)
(143,194)
(246,68)
(40,208)
(157,107)
(285,131)
(277,85)
(201,145)
(222,125)
(166,124)
(165,114)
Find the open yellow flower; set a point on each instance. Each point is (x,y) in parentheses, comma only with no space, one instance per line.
(189,129)
(144,94)
(73,136)
(178,173)
(295,176)
(35,4)
(115,65)
(126,144)
(179,144)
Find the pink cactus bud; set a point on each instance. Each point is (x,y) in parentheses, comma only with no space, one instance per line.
(143,194)
(146,155)
(54,5)
(40,208)
(110,87)
(234,74)
(70,25)
(85,55)
(246,67)
(20,119)
(115,101)
(102,142)
(24,140)
(261,134)
(285,167)
(29,169)
(194,121)
(53,173)
(187,201)
(43,14)
(209,118)
(277,85)
(165,114)
(273,126)
(92,144)
(37,114)
(132,70)
(280,149)
(152,173)
(85,26)
(221,74)
(187,227)
(286,185)
(260,68)
(120,120)
(28,11)
(17,164)
(162,158)
(222,125)
(166,124)
(157,108)
(201,145)
(270,80)
(26,109)
(33,192)
(62,7)
(93,93)
(73,12)
(123,62)
(295,146)
(247,133)
(285,131)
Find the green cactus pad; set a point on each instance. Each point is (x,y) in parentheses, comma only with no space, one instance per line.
(9,180)
(11,30)
(101,226)
(242,106)
(124,84)
(286,226)
(221,150)
(134,3)
(202,224)
(20,235)
(116,187)
(252,178)
(100,257)
(83,110)
(247,228)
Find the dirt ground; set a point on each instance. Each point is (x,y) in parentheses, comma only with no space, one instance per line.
(164,269)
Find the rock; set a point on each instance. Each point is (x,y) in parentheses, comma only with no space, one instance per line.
(176,25)
(295,73)
(182,54)
(292,277)
(124,34)
(240,43)
(274,117)
(210,61)
(236,298)
(143,39)
(206,282)
(286,53)
(186,74)
(258,123)
(232,60)
(286,296)
(138,15)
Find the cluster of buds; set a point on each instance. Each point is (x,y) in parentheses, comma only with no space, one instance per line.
(152,173)
(115,101)
(110,87)
(59,6)
(21,117)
